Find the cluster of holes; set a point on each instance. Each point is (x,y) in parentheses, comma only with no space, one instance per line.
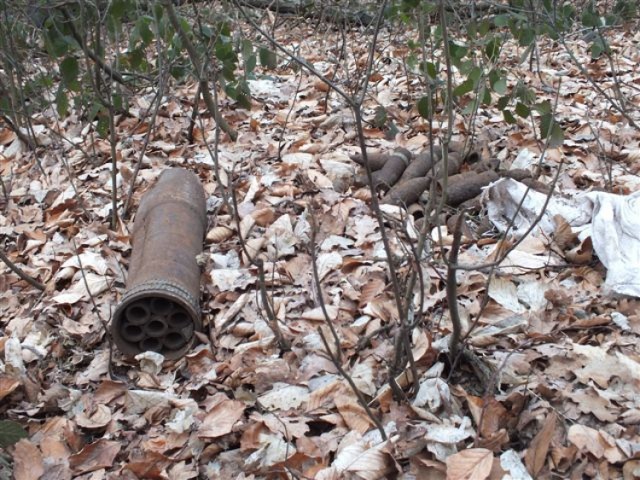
(156,324)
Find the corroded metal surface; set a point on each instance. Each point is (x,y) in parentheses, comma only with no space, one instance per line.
(160,309)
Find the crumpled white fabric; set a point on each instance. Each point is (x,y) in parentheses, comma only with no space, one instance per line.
(613,221)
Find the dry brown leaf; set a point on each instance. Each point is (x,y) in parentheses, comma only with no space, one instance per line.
(539,447)
(367,463)
(219,234)
(7,385)
(371,289)
(354,415)
(323,394)
(264,216)
(597,443)
(470,464)
(95,456)
(149,464)
(97,419)
(563,235)
(581,254)
(28,462)
(221,419)
(631,470)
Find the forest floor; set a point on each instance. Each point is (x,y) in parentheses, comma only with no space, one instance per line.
(561,398)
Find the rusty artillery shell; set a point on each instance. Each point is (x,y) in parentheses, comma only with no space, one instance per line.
(467,185)
(160,308)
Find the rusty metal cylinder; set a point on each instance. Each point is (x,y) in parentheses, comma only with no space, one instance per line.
(160,309)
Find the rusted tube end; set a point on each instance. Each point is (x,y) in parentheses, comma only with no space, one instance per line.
(160,309)
(156,316)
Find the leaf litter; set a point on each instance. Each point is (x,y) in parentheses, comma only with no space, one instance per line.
(563,354)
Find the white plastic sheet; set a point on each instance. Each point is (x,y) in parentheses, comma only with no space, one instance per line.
(613,221)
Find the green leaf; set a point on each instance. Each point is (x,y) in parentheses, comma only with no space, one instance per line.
(543,108)
(500,86)
(503,102)
(597,48)
(268,58)
(103,125)
(495,77)
(244,101)
(486,96)
(527,95)
(412,61)
(207,31)
(484,27)
(143,28)
(501,20)
(62,101)
(55,43)
(69,70)
(550,129)
(508,117)
(475,74)
(457,52)
(410,4)
(423,107)
(525,36)
(432,71)
(250,64)
(492,48)
(118,102)
(10,433)
(522,110)
(557,136)
(224,51)
(591,19)
(118,8)
(229,71)
(471,107)
(464,88)
(392,132)
(247,48)
(136,58)
(231,91)
(380,118)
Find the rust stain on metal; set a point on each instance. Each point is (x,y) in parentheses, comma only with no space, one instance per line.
(160,309)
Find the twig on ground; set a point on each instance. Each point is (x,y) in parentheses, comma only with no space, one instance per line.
(18,271)
(452,289)
(316,280)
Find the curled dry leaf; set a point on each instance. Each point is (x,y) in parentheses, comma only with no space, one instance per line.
(366,463)
(582,254)
(264,216)
(563,235)
(95,420)
(219,234)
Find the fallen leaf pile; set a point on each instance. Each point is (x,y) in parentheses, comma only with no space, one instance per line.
(563,399)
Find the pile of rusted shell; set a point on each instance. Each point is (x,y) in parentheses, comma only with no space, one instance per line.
(457,177)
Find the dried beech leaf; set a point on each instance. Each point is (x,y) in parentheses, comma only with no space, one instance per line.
(539,447)
(471,464)
(219,234)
